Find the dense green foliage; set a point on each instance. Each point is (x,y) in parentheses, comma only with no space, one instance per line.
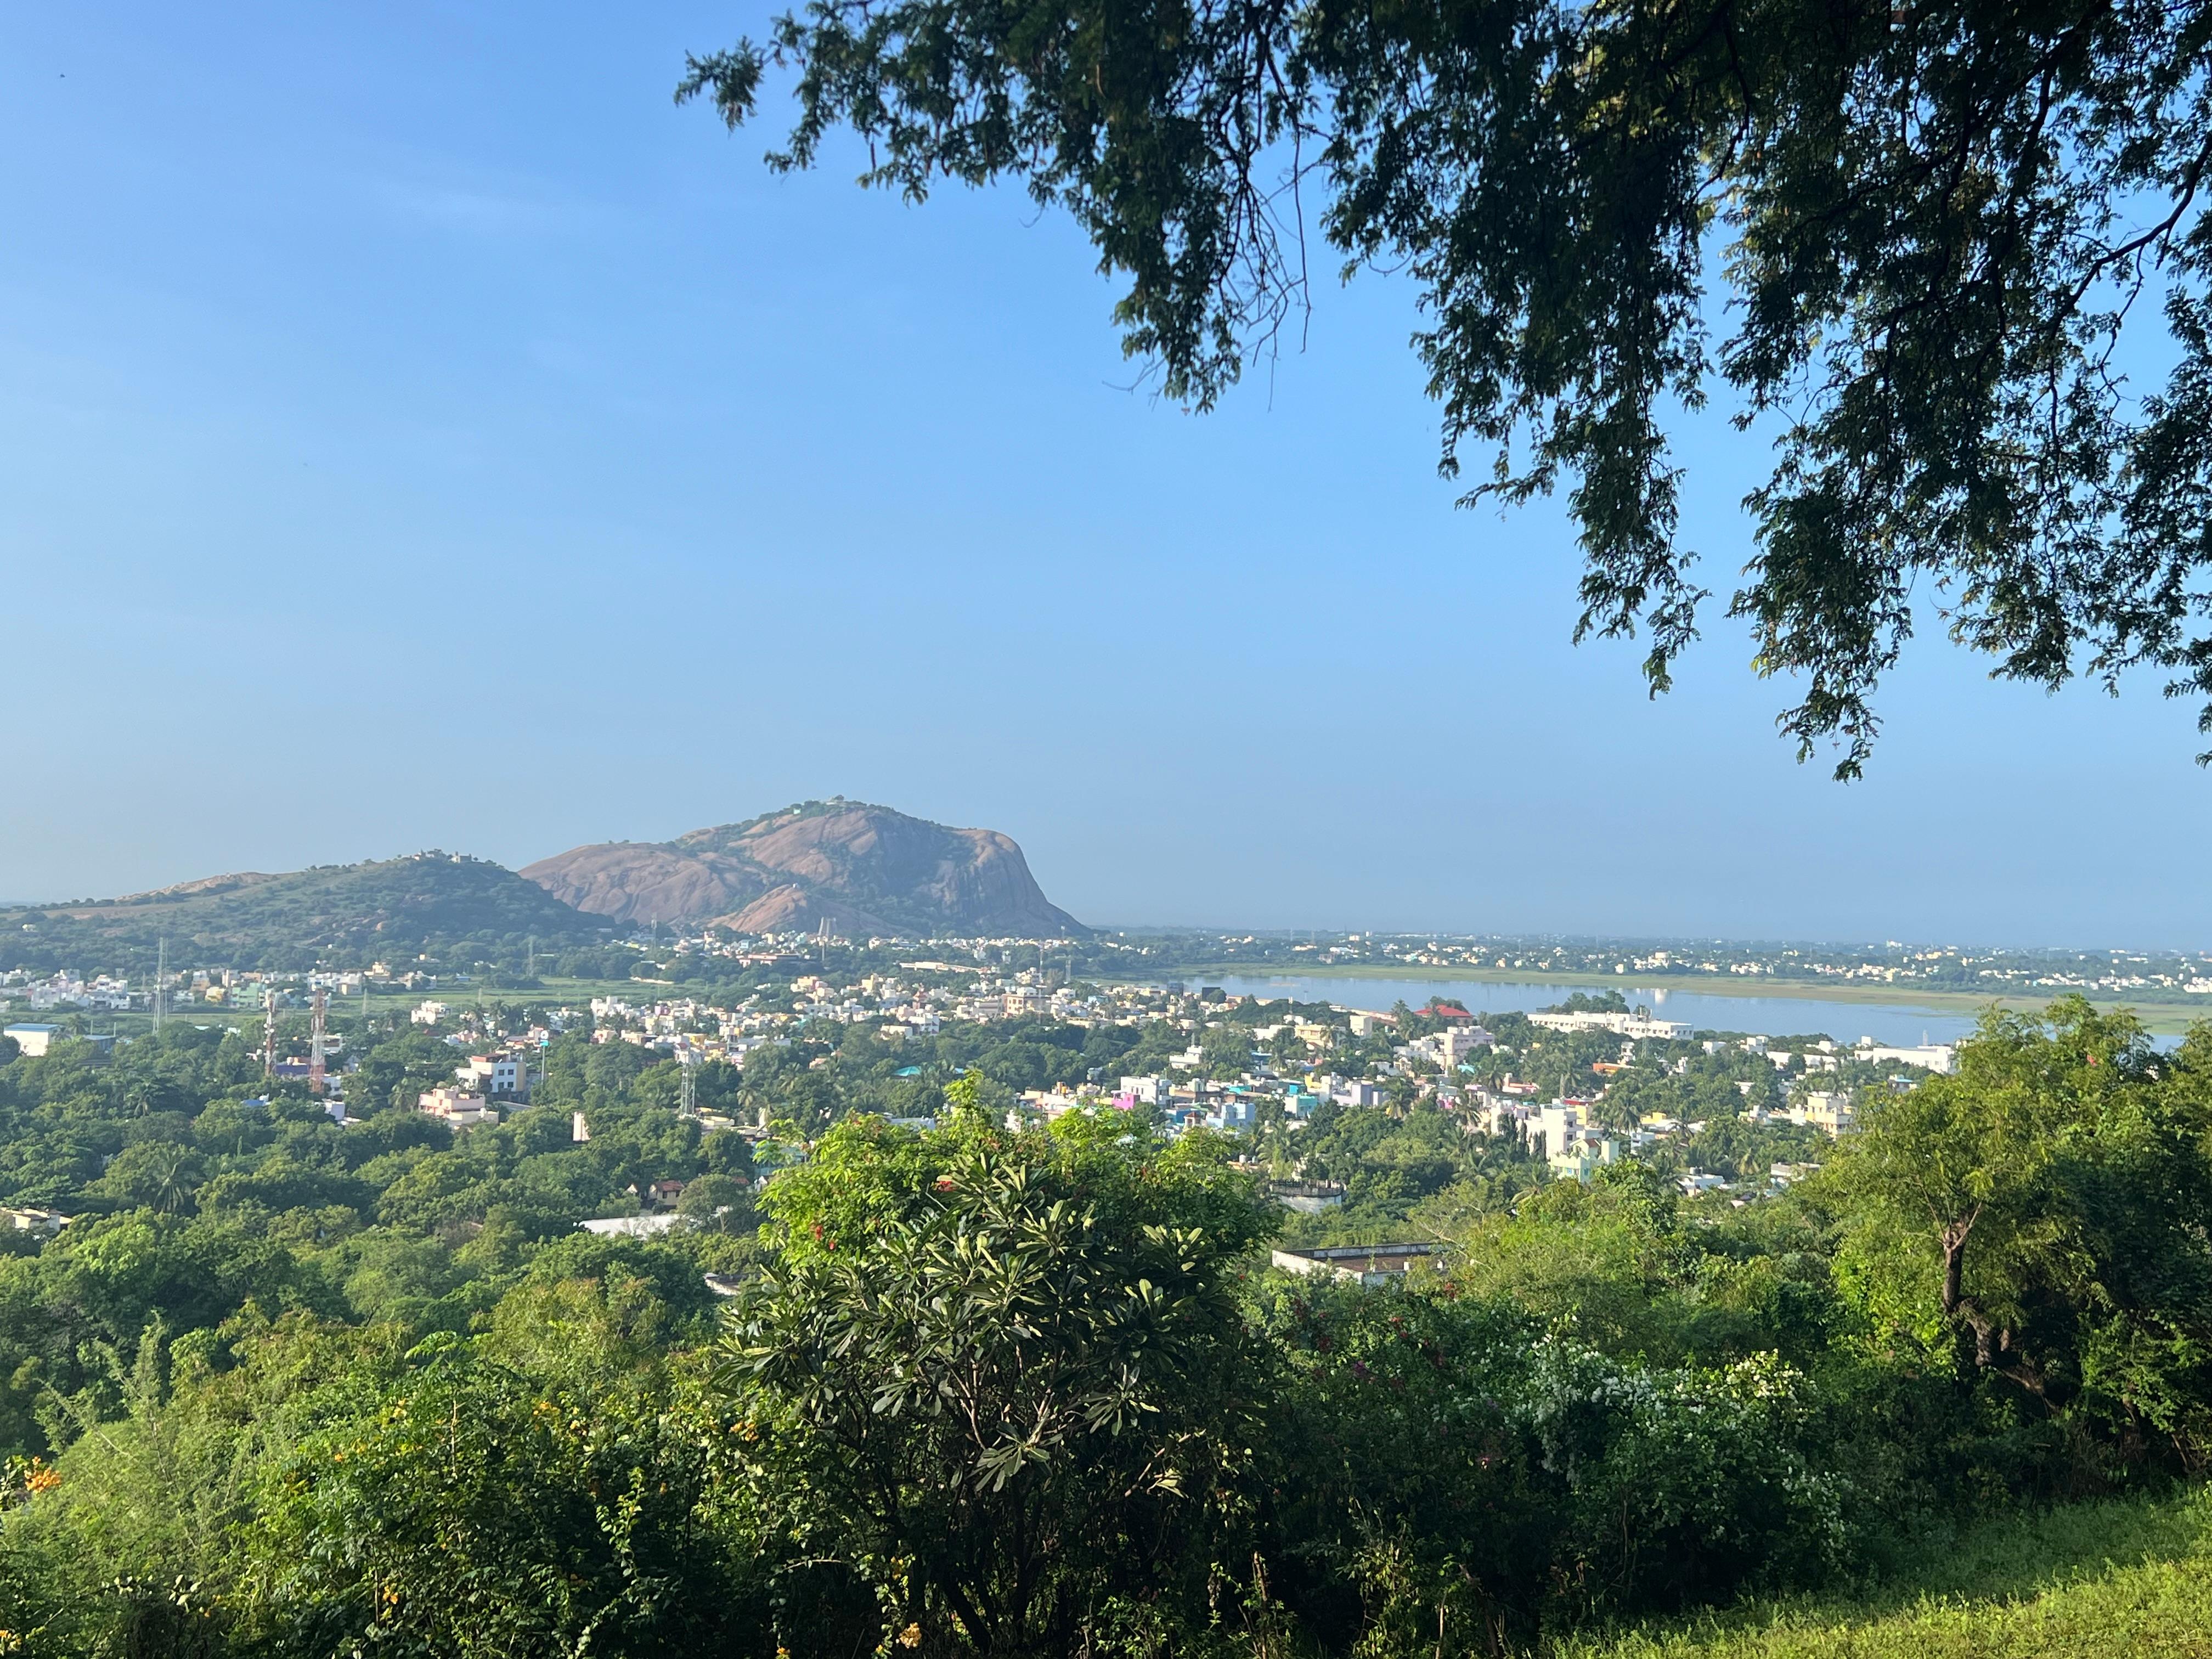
(1013,1393)
(286,1386)
(2040,1219)
(201,1196)
(1931,225)
(457,908)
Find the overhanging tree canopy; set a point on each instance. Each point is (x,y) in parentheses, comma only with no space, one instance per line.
(1934,222)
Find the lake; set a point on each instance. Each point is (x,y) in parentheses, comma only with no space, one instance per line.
(1893,1023)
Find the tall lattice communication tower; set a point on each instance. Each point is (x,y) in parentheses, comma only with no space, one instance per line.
(315,1043)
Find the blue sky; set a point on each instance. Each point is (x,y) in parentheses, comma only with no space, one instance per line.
(415,431)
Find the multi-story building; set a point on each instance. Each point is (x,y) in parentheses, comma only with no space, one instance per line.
(461,1110)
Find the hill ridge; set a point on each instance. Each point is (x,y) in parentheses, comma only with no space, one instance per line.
(392,908)
(855,866)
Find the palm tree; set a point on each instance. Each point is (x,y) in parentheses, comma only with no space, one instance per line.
(170,1177)
(753,1099)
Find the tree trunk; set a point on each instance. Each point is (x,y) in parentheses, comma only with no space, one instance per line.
(1955,1265)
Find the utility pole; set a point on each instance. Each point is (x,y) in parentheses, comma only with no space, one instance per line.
(315,1044)
(269,1033)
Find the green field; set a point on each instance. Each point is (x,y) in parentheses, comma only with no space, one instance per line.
(2162,1017)
(2107,1579)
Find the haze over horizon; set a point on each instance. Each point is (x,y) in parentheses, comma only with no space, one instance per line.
(476,451)
(1138,923)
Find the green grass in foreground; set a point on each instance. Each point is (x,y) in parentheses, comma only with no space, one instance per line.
(2127,1577)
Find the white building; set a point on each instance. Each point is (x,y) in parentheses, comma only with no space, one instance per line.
(1632,1026)
(1570,1144)
(66,989)
(1367,1264)
(34,1040)
(1307,1197)
(1929,1056)
(632,1227)
(1232,1113)
(462,1111)
(1499,1114)
(1552,1127)
(497,1074)
(1448,1046)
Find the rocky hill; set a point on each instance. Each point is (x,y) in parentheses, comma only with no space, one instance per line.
(861,869)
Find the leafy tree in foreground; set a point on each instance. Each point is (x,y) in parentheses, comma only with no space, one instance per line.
(1930,222)
(1020,1413)
(1458,1481)
(471,1513)
(2045,1213)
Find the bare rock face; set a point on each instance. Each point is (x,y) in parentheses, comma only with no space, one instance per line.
(635,881)
(206,884)
(860,869)
(795,909)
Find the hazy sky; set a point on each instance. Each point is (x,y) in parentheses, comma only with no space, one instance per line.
(415,431)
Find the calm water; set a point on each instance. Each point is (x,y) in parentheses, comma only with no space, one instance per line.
(1846,1022)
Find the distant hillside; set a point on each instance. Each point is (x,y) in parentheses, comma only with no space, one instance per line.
(393,909)
(861,869)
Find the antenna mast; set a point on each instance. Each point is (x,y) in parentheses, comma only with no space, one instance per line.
(269,1033)
(691,1088)
(160,981)
(315,1045)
